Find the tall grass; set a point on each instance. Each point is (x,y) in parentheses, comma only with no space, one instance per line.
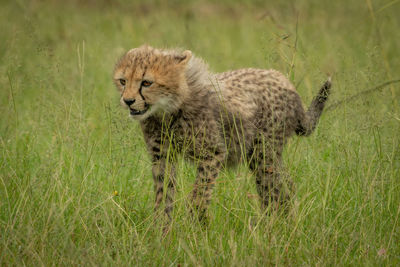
(75,179)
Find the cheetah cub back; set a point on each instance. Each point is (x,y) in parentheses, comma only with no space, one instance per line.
(214,120)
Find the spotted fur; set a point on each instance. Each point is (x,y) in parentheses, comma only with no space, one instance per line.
(214,120)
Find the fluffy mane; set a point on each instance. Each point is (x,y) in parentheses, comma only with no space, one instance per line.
(198,76)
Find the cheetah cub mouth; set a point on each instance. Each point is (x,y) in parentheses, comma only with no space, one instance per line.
(135,112)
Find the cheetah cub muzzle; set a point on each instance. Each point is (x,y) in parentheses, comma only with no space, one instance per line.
(213,120)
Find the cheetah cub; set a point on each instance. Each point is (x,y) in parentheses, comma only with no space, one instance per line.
(214,120)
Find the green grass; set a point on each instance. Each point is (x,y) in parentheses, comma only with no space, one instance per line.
(66,145)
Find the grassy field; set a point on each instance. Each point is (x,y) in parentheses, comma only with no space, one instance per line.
(75,178)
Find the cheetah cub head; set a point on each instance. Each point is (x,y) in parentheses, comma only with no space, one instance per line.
(151,81)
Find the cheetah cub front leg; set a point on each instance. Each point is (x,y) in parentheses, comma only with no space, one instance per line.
(163,170)
(207,172)
(160,172)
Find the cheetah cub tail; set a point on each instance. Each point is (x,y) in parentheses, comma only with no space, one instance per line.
(307,121)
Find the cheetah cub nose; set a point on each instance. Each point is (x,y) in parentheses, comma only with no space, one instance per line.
(129,102)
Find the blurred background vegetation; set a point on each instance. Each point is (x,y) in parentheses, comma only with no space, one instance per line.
(67,146)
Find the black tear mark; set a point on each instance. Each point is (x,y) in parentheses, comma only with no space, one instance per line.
(140,89)
(140,93)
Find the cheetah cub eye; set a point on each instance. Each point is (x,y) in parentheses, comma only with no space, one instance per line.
(146,83)
(122,82)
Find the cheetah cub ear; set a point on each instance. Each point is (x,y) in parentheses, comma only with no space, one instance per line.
(183,58)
